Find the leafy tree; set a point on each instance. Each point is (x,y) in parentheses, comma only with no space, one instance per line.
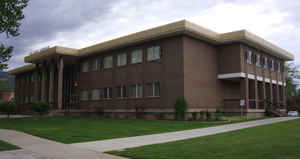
(11,14)
(292,75)
(8,107)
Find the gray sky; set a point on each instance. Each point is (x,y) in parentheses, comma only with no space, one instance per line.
(79,24)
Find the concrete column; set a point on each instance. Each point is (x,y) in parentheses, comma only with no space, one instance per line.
(43,84)
(60,82)
(51,84)
(36,85)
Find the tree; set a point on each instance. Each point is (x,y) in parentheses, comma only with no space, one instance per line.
(292,75)
(180,108)
(11,14)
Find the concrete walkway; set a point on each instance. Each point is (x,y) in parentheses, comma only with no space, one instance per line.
(123,143)
(38,148)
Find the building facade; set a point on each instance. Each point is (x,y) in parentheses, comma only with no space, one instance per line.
(147,71)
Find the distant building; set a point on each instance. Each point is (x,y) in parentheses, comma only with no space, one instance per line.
(147,71)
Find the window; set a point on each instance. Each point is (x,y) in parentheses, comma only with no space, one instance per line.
(27,99)
(153,89)
(85,67)
(96,65)
(249,57)
(136,56)
(258,62)
(279,66)
(137,91)
(121,90)
(122,59)
(107,93)
(108,62)
(266,63)
(272,65)
(84,95)
(95,94)
(32,77)
(153,53)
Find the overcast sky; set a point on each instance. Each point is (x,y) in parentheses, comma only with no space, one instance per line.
(78,24)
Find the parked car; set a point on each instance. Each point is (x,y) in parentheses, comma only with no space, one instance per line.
(293,113)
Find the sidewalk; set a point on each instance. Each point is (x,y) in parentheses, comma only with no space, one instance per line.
(38,148)
(123,143)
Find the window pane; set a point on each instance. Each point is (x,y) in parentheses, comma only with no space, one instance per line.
(249,57)
(85,67)
(95,94)
(122,59)
(110,93)
(157,89)
(266,62)
(84,95)
(150,89)
(133,90)
(137,56)
(150,54)
(153,53)
(95,65)
(119,92)
(258,60)
(156,52)
(139,91)
(107,62)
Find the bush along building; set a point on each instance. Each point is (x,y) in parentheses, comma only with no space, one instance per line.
(147,71)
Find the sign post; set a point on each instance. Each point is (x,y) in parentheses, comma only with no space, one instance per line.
(242,104)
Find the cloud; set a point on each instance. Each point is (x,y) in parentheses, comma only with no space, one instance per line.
(86,23)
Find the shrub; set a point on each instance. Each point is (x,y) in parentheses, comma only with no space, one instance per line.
(194,115)
(8,107)
(180,108)
(160,115)
(202,115)
(218,115)
(208,116)
(40,107)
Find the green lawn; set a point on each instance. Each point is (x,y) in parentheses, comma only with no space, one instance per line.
(81,129)
(275,141)
(6,146)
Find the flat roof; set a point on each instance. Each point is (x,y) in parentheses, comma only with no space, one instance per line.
(171,29)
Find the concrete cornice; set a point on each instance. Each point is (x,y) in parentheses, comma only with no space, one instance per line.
(22,69)
(179,27)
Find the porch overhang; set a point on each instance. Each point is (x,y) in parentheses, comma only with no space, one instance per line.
(238,75)
(53,52)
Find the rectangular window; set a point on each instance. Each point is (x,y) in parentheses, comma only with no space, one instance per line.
(137,91)
(153,53)
(32,77)
(122,59)
(84,95)
(121,90)
(249,57)
(258,61)
(266,63)
(136,56)
(272,65)
(84,67)
(153,89)
(108,62)
(107,93)
(95,94)
(96,65)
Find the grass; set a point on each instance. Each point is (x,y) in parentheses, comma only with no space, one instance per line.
(275,141)
(82,129)
(4,146)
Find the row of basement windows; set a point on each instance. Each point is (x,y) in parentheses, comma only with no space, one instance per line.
(136,56)
(136,91)
(263,61)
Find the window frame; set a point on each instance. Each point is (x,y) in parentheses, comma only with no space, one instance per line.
(104,62)
(249,55)
(81,95)
(137,51)
(153,53)
(84,67)
(92,94)
(107,91)
(136,92)
(95,67)
(119,59)
(153,91)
